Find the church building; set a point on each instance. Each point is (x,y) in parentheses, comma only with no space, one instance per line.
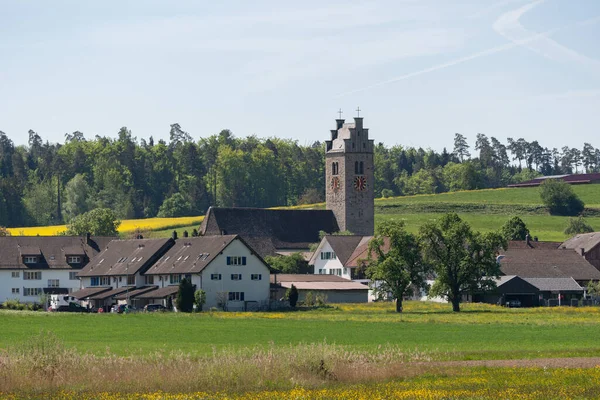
(349,201)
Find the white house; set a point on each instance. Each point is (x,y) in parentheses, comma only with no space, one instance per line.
(233,275)
(36,265)
(339,255)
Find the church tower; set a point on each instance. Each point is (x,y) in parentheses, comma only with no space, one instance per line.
(349,177)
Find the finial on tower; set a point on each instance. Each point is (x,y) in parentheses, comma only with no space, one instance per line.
(358,112)
(340,113)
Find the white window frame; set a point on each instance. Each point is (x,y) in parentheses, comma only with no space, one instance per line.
(236,261)
(74,260)
(30,259)
(73,276)
(130,280)
(328,255)
(236,296)
(32,292)
(16,290)
(236,277)
(32,275)
(104,281)
(15,274)
(256,277)
(149,279)
(215,277)
(53,283)
(174,279)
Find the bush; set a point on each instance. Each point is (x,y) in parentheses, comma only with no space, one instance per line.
(514,229)
(385,193)
(578,225)
(559,198)
(199,299)
(98,222)
(292,295)
(309,299)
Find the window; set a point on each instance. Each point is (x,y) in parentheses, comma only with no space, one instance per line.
(328,255)
(256,277)
(15,274)
(321,271)
(188,277)
(131,280)
(335,271)
(104,280)
(149,279)
(361,169)
(53,283)
(356,167)
(94,281)
(236,260)
(236,277)
(15,290)
(174,279)
(335,168)
(236,296)
(32,291)
(74,259)
(73,276)
(30,259)
(215,277)
(32,275)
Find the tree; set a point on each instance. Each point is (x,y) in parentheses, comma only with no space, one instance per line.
(292,264)
(185,296)
(578,225)
(292,295)
(310,196)
(514,229)
(199,299)
(4,232)
(174,206)
(461,148)
(559,198)
(464,261)
(76,197)
(400,270)
(98,222)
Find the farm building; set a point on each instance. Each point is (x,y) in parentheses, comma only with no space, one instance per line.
(36,265)
(333,288)
(573,179)
(586,245)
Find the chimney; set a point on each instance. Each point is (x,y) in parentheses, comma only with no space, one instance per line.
(174,236)
(581,251)
(185,234)
(88,237)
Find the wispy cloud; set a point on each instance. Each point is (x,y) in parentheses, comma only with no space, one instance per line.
(509,26)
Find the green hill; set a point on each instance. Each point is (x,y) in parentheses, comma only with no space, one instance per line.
(485,210)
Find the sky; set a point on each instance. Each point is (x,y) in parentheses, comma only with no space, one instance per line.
(420,70)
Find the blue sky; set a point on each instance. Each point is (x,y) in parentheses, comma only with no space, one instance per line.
(420,70)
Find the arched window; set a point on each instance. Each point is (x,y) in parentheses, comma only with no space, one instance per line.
(333,171)
(356,170)
(361,169)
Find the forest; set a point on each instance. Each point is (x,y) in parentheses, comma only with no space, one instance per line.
(45,183)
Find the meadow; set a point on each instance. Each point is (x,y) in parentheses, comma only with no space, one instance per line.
(341,351)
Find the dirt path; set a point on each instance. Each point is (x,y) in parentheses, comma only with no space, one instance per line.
(580,362)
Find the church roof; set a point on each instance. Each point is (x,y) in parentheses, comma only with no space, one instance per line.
(266,230)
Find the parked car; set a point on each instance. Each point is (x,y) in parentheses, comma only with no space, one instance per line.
(513,303)
(72,307)
(124,308)
(61,300)
(154,308)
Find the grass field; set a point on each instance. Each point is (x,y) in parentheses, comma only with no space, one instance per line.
(364,351)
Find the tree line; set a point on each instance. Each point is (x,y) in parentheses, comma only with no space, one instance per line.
(45,183)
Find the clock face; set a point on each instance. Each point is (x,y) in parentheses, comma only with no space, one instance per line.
(335,184)
(360,183)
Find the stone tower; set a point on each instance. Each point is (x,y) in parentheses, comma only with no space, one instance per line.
(349,177)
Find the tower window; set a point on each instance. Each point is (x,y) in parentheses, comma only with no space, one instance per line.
(361,168)
(356,168)
(334,168)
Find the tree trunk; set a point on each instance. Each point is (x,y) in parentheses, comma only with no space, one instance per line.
(456,304)
(398,305)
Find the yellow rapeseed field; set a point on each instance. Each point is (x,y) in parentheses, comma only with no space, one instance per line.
(127,225)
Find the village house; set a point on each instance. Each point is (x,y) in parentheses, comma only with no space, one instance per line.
(232,274)
(119,269)
(39,265)
(339,255)
(330,288)
(586,245)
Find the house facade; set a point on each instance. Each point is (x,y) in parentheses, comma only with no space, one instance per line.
(31,267)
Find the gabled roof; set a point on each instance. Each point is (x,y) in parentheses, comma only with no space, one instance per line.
(159,293)
(90,291)
(191,255)
(585,241)
(361,253)
(346,285)
(269,229)
(127,257)
(547,263)
(572,179)
(306,278)
(52,251)
(342,245)
(555,284)
(532,244)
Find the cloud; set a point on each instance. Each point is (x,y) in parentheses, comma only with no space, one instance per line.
(509,26)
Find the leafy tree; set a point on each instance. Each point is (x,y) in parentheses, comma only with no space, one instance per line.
(174,206)
(199,299)
(292,295)
(578,225)
(593,289)
(385,193)
(98,222)
(76,197)
(185,296)
(292,264)
(559,198)
(461,148)
(514,229)
(464,261)
(400,270)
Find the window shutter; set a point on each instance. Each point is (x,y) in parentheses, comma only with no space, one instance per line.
(242,296)
(228,260)
(243,260)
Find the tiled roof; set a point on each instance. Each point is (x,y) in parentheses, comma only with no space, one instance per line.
(110,293)
(361,253)
(555,284)
(135,292)
(585,241)
(347,285)
(523,244)
(573,178)
(546,263)
(90,291)
(306,278)
(266,230)
(52,251)
(343,246)
(160,293)
(126,257)
(190,255)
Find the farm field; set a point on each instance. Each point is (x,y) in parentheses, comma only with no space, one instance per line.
(344,351)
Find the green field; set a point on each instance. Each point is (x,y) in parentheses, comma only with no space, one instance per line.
(480,331)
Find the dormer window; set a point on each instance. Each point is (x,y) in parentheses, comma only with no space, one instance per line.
(30,259)
(74,259)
